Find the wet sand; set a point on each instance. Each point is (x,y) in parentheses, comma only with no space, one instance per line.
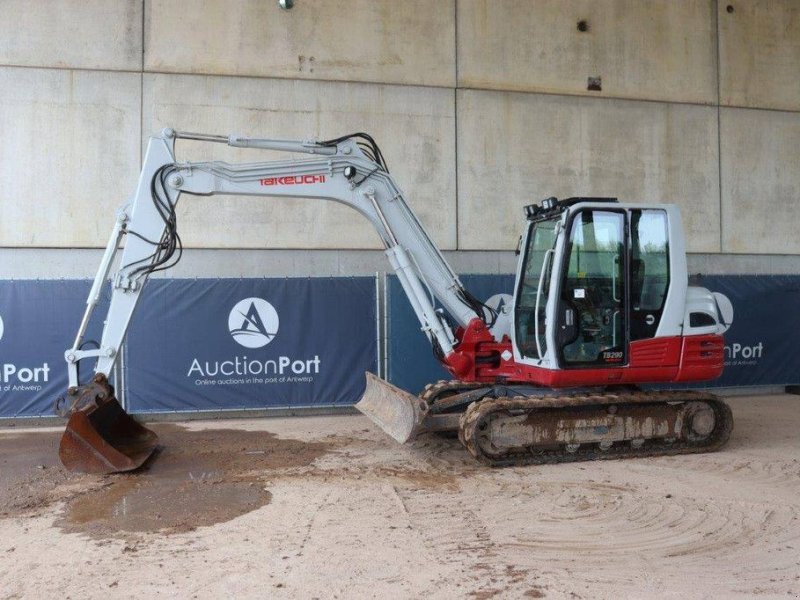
(329,507)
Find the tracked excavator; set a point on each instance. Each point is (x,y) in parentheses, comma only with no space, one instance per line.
(554,373)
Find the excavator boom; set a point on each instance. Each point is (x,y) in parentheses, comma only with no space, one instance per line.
(349,170)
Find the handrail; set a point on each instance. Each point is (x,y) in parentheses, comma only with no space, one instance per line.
(547,256)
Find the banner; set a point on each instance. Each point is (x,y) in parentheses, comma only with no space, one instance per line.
(216,344)
(38,323)
(759,346)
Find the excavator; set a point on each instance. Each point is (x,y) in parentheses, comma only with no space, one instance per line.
(574,366)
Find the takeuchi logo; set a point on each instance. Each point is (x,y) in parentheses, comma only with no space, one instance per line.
(253,322)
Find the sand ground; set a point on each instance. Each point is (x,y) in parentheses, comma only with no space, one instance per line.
(329,507)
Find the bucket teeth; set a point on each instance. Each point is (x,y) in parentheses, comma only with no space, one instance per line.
(397,412)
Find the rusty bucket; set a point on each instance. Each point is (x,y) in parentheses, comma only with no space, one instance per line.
(100,436)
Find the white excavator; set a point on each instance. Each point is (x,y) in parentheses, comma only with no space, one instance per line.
(601,306)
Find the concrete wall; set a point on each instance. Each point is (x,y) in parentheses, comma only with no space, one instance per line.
(409,42)
(480,106)
(69,153)
(759,45)
(72,34)
(415,126)
(516,148)
(662,50)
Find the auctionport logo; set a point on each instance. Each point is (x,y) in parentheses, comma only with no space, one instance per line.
(253,322)
(22,379)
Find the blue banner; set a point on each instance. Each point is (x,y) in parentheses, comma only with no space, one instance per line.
(38,322)
(216,344)
(759,346)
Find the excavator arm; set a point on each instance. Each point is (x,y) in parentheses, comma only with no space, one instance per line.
(349,170)
(340,171)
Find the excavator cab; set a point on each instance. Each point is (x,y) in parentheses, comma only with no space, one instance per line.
(601,303)
(612,267)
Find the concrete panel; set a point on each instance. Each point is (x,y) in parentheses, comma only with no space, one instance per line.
(759,45)
(85,34)
(514,149)
(760,181)
(384,41)
(69,154)
(661,50)
(414,127)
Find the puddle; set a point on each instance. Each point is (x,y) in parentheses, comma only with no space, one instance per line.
(197,478)
(137,504)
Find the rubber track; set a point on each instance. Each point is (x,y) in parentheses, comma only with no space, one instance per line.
(480,411)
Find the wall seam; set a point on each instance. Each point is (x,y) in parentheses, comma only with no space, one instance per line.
(455,118)
(719,124)
(411,85)
(141,92)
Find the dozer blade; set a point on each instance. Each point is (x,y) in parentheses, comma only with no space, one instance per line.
(397,412)
(101,437)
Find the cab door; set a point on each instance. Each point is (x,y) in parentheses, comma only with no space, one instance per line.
(591,328)
(649,271)
(533,289)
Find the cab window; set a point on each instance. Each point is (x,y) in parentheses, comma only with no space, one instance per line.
(591,311)
(540,240)
(649,271)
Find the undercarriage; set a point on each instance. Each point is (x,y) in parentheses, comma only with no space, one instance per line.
(507,425)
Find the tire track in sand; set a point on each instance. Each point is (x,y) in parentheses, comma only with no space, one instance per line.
(596,527)
(457,537)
